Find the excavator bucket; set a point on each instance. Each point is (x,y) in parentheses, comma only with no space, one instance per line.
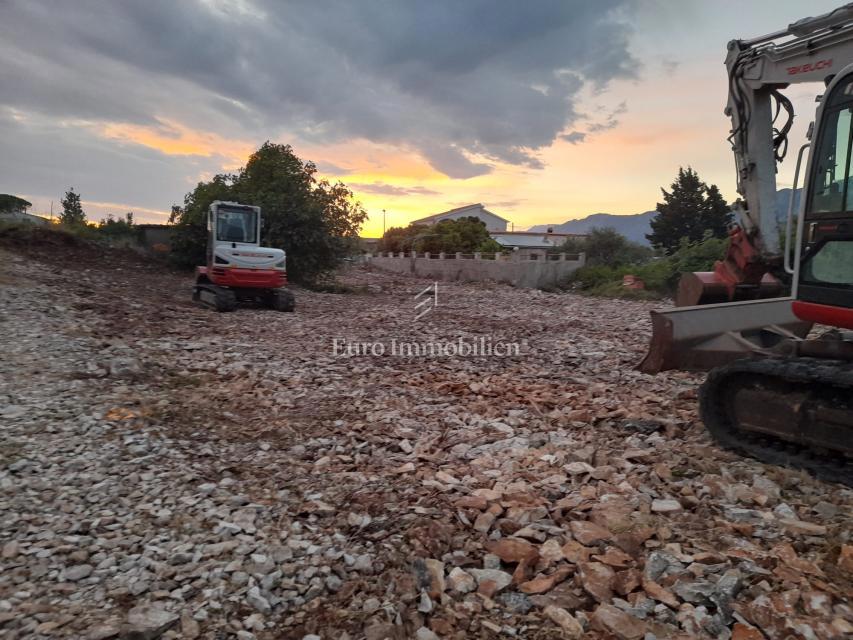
(707,287)
(702,337)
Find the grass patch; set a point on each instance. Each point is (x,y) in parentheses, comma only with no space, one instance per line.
(617,290)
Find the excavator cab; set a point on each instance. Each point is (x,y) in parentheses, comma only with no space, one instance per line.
(823,289)
(238,269)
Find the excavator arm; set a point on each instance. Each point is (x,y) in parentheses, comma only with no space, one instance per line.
(809,50)
(735,310)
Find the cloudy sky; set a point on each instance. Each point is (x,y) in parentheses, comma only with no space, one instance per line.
(544,111)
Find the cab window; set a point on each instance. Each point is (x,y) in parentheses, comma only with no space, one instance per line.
(832,264)
(832,167)
(236,226)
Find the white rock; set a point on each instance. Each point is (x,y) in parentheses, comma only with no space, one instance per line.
(256,600)
(501,578)
(666,506)
(578,468)
(78,572)
(147,622)
(460,580)
(423,633)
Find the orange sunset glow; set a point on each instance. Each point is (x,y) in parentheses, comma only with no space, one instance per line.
(539,129)
(176,139)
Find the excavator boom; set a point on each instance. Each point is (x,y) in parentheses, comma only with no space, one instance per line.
(809,50)
(773,392)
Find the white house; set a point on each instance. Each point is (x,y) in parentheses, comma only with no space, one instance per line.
(531,242)
(493,221)
(14,209)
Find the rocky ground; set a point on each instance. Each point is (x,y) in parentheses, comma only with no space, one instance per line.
(166,471)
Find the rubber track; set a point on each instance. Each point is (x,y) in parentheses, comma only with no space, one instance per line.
(226,300)
(822,374)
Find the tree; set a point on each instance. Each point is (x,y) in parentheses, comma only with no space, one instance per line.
(111,227)
(718,215)
(606,246)
(189,237)
(464,235)
(575,244)
(689,210)
(72,209)
(316,223)
(397,239)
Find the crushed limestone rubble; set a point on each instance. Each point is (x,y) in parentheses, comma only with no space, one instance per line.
(170,472)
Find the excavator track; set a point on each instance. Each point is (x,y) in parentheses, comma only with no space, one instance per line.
(215,297)
(795,412)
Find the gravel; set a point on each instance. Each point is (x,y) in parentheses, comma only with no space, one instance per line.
(166,471)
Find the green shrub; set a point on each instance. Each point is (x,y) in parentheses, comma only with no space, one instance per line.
(698,256)
(657,274)
(616,290)
(660,275)
(606,246)
(596,275)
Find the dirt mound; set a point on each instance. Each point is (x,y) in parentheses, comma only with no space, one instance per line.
(57,245)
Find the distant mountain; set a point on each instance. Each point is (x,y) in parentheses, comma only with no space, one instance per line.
(782,197)
(636,226)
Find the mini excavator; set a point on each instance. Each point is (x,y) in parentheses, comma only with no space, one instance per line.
(238,268)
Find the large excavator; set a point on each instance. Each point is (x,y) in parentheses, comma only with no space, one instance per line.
(780,386)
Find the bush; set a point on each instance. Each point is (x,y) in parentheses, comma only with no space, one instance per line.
(698,256)
(606,246)
(463,235)
(592,276)
(616,290)
(660,275)
(657,275)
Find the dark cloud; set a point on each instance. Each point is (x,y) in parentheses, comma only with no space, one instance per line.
(574,137)
(452,162)
(506,204)
(391,190)
(44,158)
(450,80)
(332,169)
(610,121)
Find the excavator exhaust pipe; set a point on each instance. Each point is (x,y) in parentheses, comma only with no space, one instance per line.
(700,338)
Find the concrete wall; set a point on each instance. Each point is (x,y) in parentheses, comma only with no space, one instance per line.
(519,271)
